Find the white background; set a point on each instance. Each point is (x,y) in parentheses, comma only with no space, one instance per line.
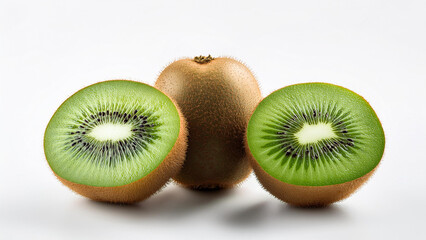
(51,49)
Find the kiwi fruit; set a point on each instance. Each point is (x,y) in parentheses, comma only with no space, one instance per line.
(116,141)
(314,144)
(217,97)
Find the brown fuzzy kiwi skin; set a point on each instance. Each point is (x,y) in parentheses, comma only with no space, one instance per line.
(217,98)
(305,196)
(308,196)
(145,187)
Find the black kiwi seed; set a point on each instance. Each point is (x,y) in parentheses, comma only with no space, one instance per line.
(79,142)
(328,147)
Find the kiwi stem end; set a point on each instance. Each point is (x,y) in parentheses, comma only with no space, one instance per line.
(203,59)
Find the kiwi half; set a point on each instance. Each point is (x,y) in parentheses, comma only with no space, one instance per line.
(116,141)
(217,97)
(314,144)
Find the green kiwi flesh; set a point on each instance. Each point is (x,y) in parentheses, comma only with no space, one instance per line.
(314,134)
(113,134)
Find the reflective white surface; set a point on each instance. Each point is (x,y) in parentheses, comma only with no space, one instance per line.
(51,49)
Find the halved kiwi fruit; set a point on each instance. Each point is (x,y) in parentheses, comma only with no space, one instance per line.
(314,144)
(217,97)
(116,141)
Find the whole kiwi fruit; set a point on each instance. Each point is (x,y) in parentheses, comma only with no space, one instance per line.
(217,97)
(313,144)
(116,141)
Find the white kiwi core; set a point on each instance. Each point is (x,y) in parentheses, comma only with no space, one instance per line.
(314,133)
(111,132)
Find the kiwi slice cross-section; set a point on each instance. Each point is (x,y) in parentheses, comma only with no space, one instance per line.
(116,141)
(313,144)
